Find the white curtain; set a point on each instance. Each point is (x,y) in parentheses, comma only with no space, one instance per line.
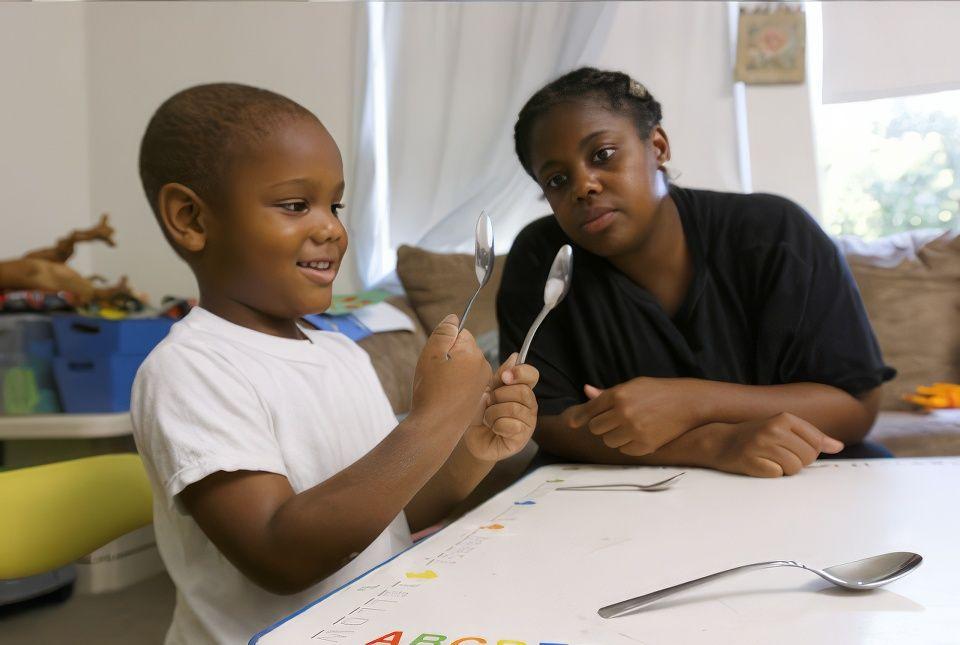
(441,85)
(444,83)
(882,49)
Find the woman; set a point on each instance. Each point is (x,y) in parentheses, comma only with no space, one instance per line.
(701,328)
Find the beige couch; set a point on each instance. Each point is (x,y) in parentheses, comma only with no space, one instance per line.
(910,285)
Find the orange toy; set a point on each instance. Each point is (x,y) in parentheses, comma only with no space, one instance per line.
(937,396)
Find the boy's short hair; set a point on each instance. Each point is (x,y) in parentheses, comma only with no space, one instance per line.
(196,134)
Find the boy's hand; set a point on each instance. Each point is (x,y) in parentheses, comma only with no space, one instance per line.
(507,423)
(638,416)
(781,445)
(451,376)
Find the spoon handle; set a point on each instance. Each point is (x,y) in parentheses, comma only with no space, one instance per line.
(627,606)
(463,318)
(529,339)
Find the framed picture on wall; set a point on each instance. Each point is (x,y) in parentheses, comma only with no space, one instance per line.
(771,46)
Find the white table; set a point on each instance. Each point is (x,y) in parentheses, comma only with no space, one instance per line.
(533,564)
(42,438)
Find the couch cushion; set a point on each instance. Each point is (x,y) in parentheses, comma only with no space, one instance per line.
(910,283)
(438,284)
(394,356)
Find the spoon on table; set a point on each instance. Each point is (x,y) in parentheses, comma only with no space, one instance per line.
(868,573)
(651,488)
(558,283)
(482,260)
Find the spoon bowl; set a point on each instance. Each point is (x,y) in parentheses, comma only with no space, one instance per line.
(556,287)
(870,573)
(483,257)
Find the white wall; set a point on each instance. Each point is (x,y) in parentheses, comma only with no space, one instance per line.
(44,149)
(782,143)
(141,53)
(781,129)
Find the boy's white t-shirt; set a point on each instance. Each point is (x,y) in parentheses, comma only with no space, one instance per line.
(214,396)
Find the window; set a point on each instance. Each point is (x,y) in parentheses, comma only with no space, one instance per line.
(890,165)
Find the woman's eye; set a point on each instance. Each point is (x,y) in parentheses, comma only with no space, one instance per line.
(603,154)
(556,181)
(336,208)
(295,206)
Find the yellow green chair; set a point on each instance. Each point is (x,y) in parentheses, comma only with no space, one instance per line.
(57,513)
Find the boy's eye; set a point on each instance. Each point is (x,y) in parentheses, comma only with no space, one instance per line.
(603,154)
(556,181)
(336,208)
(295,206)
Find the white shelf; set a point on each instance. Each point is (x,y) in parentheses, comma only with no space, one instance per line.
(65,426)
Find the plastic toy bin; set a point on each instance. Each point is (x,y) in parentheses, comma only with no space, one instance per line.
(80,336)
(98,359)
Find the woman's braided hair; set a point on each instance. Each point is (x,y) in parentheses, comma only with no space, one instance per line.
(614,90)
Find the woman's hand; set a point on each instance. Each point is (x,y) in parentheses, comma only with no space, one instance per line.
(781,445)
(641,415)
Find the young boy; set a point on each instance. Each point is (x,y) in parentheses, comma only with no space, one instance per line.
(279,471)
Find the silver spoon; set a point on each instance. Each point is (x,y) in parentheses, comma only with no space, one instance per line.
(482,259)
(558,283)
(656,486)
(868,573)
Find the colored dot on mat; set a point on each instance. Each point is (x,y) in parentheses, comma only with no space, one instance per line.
(554,481)
(493,527)
(423,575)
(525,502)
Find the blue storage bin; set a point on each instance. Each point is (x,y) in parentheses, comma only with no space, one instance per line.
(96,384)
(81,336)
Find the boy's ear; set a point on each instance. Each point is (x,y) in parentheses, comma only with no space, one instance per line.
(182,215)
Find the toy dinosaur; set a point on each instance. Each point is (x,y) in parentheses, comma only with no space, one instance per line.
(45,269)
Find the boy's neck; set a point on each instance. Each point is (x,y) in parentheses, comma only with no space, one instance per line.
(246,316)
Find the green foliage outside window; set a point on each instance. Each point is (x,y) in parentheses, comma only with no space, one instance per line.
(891,165)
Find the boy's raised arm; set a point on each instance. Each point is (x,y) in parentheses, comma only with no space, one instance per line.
(502,429)
(285,541)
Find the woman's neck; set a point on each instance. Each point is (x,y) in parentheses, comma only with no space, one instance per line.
(661,263)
